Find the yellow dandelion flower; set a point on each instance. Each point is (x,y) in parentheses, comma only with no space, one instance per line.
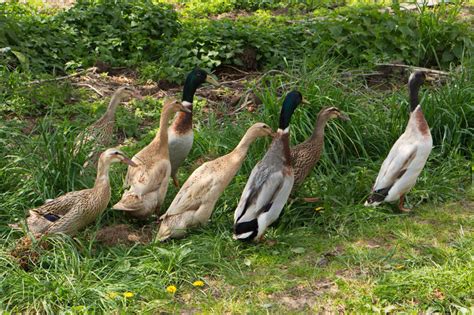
(171,289)
(318,209)
(398,267)
(112,295)
(128,294)
(198,283)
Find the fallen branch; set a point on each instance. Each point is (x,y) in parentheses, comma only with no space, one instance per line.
(90,87)
(398,65)
(93,69)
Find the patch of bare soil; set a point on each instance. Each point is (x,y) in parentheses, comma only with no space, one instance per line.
(27,253)
(303,296)
(124,234)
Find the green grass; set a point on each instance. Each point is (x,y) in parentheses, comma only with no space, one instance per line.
(332,256)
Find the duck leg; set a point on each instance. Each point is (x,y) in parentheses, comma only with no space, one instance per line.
(400,204)
(175,180)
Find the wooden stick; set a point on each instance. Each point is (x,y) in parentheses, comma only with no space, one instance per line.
(398,65)
(90,87)
(93,69)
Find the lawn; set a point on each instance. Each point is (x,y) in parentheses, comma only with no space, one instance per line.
(334,255)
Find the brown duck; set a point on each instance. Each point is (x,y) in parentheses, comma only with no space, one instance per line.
(75,210)
(305,155)
(99,135)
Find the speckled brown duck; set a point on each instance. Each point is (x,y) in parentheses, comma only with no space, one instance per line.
(75,210)
(305,155)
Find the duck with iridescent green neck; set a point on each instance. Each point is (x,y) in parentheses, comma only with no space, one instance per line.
(270,182)
(180,133)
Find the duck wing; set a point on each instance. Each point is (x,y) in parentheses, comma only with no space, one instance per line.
(61,205)
(395,166)
(191,195)
(41,218)
(262,201)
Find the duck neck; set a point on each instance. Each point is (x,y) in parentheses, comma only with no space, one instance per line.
(242,148)
(184,121)
(413,91)
(162,136)
(284,137)
(112,107)
(318,133)
(102,178)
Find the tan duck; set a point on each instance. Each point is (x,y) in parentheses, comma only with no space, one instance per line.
(194,203)
(149,181)
(101,132)
(305,155)
(408,156)
(77,209)
(181,133)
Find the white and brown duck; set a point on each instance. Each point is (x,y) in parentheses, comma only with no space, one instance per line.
(181,134)
(408,156)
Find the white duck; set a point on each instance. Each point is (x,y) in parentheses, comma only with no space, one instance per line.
(408,155)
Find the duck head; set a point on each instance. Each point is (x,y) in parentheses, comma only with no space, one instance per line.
(114,156)
(172,105)
(193,81)
(292,100)
(261,130)
(333,113)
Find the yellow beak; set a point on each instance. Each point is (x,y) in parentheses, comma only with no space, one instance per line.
(212,81)
(430,78)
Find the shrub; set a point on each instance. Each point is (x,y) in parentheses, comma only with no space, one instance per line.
(117,32)
(354,35)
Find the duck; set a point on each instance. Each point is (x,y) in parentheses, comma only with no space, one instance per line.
(148,182)
(75,210)
(408,156)
(195,201)
(101,132)
(270,181)
(306,154)
(181,133)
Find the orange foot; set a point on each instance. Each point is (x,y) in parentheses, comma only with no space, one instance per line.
(400,205)
(312,199)
(175,181)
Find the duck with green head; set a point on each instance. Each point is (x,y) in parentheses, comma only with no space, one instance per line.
(180,133)
(270,182)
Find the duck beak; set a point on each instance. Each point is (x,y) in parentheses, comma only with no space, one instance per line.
(344,117)
(212,81)
(304,101)
(429,77)
(126,160)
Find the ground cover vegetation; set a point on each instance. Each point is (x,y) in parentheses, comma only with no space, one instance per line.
(335,255)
